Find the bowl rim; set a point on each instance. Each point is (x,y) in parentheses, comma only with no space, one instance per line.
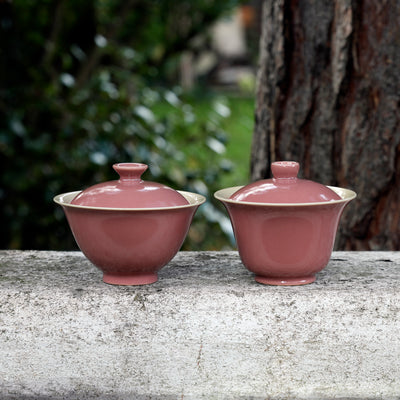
(64,200)
(345,194)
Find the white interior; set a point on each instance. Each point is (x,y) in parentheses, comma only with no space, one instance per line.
(66,198)
(225,194)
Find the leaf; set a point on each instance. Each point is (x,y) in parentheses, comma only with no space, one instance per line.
(215,145)
(221,109)
(145,113)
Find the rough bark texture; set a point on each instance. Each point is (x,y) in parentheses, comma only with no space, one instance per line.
(329,97)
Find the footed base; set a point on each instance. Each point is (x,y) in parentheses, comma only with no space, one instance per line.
(143,279)
(303,280)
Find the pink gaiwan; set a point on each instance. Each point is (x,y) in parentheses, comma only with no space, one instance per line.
(129,228)
(285,227)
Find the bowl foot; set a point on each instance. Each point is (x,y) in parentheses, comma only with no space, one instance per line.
(139,279)
(304,280)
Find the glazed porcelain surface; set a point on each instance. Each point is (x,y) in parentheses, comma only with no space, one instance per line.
(127,241)
(130,191)
(285,231)
(285,187)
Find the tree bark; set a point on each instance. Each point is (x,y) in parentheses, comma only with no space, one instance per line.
(328,96)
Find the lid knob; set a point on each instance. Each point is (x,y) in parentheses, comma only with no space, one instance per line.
(130,171)
(285,169)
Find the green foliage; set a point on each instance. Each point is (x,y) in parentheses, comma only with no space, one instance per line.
(78,92)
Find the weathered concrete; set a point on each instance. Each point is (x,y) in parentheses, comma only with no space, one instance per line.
(206,330)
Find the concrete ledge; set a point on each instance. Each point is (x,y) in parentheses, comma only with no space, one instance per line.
(206,330)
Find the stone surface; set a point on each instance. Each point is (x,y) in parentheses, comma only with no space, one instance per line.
(205,330)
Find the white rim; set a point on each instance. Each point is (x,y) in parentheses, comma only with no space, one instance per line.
(65,199)
(345,194)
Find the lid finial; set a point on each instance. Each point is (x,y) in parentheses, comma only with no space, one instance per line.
(285,169)
(130,171)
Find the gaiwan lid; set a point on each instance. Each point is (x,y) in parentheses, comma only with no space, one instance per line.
(130,191)
(285,187)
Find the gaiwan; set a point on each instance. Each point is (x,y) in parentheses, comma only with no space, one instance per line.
(285,227)
(129,228)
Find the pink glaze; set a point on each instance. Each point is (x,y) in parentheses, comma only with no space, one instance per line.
(285,187)
(287,238)
(130,191)
(130,246)
(129,228)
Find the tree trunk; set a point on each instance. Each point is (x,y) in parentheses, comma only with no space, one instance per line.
(328,96)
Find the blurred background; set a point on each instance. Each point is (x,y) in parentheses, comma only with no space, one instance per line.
(86,84)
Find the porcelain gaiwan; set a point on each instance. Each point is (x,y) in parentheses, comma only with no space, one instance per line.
(129,228)
(285,227)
